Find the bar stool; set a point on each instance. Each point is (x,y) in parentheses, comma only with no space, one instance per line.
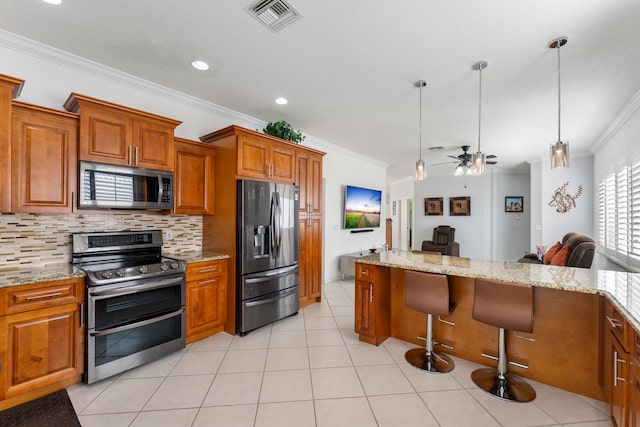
(505,306)
(429,294)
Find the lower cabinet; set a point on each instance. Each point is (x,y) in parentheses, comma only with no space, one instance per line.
(617,369)
(310,263)
(634,401)
(372,303)
(206,298)
(41,340)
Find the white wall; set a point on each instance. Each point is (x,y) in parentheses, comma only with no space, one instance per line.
(473,232)
(511,230)
(51,75)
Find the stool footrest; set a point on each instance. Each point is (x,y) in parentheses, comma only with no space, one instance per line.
(510,362)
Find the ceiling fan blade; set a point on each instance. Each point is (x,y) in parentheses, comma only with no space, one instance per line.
(491,163)
(492,156)
(457,158)
(445,163)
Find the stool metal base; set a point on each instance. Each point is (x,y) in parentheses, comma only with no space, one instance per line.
(435,362)
(510,387)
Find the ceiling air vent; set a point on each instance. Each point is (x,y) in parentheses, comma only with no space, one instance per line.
(275,14)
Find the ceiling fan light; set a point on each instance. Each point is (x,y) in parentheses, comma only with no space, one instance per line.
(460,170)
(421,170)
(478,162)
(559,155)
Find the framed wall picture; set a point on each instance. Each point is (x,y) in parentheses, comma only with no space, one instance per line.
(433,206)
(459,206)
(513,204)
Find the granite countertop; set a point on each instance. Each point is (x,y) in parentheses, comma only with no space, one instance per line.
(63,271)
(621,288)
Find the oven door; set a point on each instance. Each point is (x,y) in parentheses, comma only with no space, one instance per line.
(133,323)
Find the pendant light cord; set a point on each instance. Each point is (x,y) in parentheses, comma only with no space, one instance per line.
(558,44)
(420,121)
(479,106)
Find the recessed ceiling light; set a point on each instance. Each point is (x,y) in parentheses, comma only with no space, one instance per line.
(200,65)
(54,2)
(281,101)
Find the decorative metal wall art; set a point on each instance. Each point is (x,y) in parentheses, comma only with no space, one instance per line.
(563,201)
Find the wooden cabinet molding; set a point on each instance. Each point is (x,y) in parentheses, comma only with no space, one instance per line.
(194,178)
(10,88)
(43,159)
(114,134)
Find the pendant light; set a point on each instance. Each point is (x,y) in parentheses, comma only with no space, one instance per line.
(560,150)
(479,159)
(421,168)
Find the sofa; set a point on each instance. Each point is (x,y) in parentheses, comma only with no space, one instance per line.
(579,250)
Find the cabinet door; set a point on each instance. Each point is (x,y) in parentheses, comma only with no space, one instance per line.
(44,161)
(253,157)
(619,405)
(364,310)
(194,179)
(42,347)
(309,179)
(283,163)
(205,305)
(634,404)
(314,230)
(153,145)
(105,136)
(304,261)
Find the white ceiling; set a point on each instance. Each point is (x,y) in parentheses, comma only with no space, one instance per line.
(348,67)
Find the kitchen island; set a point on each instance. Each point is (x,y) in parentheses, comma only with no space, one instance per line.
(570,308)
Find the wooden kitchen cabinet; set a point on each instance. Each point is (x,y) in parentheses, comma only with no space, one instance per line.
(10,88)
(634,401)
(372,303)
(617,371)
(114,134)
(309,180)
(194,178)
(44,159)
(206,298)
(310,261)
(41,339)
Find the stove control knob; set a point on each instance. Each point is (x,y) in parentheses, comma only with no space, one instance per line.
(174,265)
(142,269)
(106,274)
(164,267)
(119,272)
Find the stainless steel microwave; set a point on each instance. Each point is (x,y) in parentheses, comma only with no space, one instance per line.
(123,187)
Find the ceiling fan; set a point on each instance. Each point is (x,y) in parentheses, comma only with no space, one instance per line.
(464,160)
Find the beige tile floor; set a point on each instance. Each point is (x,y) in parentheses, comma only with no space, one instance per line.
(311,370)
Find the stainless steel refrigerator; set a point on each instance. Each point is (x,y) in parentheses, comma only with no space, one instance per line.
(268,276)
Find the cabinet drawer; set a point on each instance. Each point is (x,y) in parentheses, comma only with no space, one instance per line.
(40,295)
(364,271)
(619,327)
(205,269)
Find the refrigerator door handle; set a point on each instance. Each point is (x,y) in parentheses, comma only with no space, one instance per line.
(278,225)
(272,229)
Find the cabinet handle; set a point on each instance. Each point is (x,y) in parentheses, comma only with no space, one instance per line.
(73,201)
(136,150)
(130,159)
(81,309)
(207,270)
(36,359)
(615,323)
(55,294)
(204,282)
(615,368)
(370,292)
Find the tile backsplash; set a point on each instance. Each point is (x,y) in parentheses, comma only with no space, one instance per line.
(43,239)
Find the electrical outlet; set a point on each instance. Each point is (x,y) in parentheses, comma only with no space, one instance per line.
(169,234)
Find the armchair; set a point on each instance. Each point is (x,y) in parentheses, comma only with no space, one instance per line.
(442,241)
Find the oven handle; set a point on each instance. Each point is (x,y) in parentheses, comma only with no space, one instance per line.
(137,324)
(137,288)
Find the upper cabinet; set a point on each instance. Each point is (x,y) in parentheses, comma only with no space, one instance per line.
(310,181)
(10,87)
(194,178)
(259,156)
(43,159)
(114,134)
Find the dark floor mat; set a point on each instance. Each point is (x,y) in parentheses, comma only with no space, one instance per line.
(52,410)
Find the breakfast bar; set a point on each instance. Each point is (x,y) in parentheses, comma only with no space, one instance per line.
(574,310)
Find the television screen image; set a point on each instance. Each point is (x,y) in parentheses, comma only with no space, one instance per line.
(361,207)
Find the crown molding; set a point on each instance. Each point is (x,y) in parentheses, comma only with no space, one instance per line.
(629,110)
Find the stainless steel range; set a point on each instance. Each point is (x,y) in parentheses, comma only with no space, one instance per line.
(135,300)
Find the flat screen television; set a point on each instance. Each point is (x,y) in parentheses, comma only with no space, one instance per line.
(361,207)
